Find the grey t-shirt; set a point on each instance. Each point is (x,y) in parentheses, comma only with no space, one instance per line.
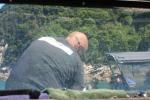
(47,63)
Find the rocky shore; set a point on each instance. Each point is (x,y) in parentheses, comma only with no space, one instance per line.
(4,73)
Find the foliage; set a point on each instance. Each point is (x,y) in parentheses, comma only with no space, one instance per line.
(84,95)
(109,30)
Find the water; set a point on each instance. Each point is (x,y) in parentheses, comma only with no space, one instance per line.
(2,85)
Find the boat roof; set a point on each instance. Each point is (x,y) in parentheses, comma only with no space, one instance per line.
(130,57)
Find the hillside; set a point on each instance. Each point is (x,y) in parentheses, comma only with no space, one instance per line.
(109,30)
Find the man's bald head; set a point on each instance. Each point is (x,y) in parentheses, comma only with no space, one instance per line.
(77,40)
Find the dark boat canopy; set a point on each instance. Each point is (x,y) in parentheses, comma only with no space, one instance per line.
(130,57)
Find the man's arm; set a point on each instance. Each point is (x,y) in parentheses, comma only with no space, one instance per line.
(79,77)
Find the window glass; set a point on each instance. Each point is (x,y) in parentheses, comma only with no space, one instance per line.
(108,30)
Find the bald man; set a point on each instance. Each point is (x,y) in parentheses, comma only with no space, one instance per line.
(50,63)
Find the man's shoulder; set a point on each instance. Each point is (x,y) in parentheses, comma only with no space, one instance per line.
(59,43)
(60,39)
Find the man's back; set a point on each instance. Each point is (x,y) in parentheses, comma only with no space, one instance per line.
(47,62)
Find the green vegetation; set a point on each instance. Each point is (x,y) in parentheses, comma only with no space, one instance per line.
(84,95)
(109,30)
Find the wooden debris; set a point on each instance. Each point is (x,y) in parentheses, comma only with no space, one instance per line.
(102,73)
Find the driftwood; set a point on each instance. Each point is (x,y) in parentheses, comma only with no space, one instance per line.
(103,73)
(3,48)
(4,73)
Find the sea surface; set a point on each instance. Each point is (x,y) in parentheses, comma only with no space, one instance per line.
(2,85)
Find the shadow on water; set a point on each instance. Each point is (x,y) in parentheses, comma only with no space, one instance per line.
(147,81)
(2,85)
